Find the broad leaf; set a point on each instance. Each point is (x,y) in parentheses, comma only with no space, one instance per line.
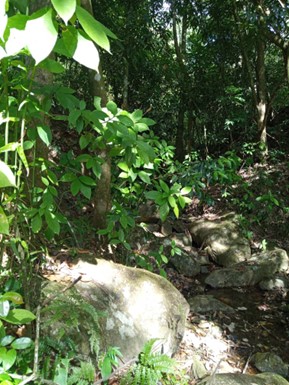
(112,107)
(8,359)
(64,8)
(36,223)
(3,18)
(16,42)
(22,343)
(123,166)
(145,177)
(41,36)
(52,66)
(86,53)
(164,186)
(13,297)
(19,316)
(93,28)
(4,223)
(45,134)
(7,178)
(5,341)
(164,211)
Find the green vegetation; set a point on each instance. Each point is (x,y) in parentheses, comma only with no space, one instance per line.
(184,110)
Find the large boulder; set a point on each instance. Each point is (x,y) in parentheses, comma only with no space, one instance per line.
(221,238)
(244,379)
(259,267)
(138,306)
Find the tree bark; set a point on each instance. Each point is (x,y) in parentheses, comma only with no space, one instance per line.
(102,195)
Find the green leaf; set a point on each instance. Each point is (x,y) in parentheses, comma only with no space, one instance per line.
(36,223)
(123,221)
(125,120)
(147,121)
(8,358)
(153,195)
(145,151)
(112,107)
(22,343)
(5,341)
(13,297)
(93,28)
(186,190)
(75,187)
(86,53)
(19,316)
(67,44)
(145,177)
(52,66)
(21,153)
(137,115)
(86,191)
(176,211)
(7,178)
(164,211)
(172,201)
(38,31)
(106,368)
(87,180)
(123,166)
(45,134)
(141,127)
(64,8)
(4,308)
(52,222)
(164,186)
(68,177)
(4,223)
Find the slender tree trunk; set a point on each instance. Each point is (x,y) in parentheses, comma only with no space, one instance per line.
(262,96)
(102,195)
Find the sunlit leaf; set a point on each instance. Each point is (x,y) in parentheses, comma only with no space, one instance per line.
(7,178)
(41,36)
(86,53)
(64,8)
(95,30)
(19,316)
(4,223)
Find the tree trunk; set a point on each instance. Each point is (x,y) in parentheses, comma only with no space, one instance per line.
(102,195)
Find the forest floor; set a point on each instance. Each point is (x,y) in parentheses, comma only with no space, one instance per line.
(225,342)
(222,342)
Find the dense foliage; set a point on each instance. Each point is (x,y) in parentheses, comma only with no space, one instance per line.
(180,109)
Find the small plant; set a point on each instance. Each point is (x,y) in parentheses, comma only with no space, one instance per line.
(10,345)
(83,375)
(150,368)
(169,198)
(109,361)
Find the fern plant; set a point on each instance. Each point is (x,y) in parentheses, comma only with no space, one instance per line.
(150,368)
(71,313)
(85,375)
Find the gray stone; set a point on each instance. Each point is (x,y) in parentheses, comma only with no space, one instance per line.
(275,283)
(270,362)
(244,379)
(138,306)
(222,240)
(259,267)
(273,379)
(207,304)
(233,379)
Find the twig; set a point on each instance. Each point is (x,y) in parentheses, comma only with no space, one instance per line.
(247,363)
